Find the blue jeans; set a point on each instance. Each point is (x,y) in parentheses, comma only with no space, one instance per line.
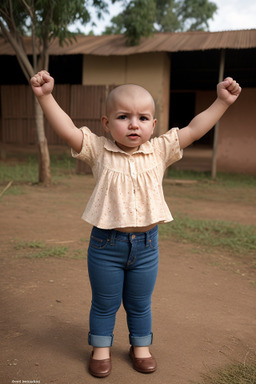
(122,267)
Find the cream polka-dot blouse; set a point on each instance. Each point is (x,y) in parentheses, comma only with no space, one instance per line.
(128,190)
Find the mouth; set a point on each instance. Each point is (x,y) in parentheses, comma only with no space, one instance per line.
(133,135)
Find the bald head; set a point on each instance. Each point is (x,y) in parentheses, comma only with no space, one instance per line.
(126,92)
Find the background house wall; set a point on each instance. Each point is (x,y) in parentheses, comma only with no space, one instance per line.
(150,70)
(237,136)
(237,132)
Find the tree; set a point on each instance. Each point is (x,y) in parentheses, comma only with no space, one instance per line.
(44,20)
(193,15)
(136,21)
(144,17)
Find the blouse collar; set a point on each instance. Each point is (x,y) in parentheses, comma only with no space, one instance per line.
(145,148)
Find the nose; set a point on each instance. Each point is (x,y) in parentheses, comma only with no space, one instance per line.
(133,123)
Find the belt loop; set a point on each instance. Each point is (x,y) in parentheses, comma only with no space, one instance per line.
(147,238)
(112,237)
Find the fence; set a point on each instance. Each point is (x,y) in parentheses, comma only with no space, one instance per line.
(84,104)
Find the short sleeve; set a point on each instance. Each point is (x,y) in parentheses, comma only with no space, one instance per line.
(168,146)
(92,145)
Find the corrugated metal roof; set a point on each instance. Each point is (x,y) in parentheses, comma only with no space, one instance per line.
(108,45)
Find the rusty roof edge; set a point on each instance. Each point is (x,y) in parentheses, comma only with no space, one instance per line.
(107,45)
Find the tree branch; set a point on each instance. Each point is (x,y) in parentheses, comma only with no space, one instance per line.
(18,49)
(32,14)
(28,8)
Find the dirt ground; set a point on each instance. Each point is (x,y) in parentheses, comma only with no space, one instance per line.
(204,313)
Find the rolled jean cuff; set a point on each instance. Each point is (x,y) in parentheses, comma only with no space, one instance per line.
(100,341)
(141,341)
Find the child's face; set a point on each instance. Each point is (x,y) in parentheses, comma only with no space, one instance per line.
(130,117)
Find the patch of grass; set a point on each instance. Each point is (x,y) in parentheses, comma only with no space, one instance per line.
(62,165)
(14,190)
(188,175)
(26,170)
(212,233)
(237,180)
(236,373)
(20,171)
(79,254)
(223,179)
(49,252)
(29,244)
(39,250)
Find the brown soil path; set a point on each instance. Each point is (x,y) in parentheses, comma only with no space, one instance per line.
(204,311)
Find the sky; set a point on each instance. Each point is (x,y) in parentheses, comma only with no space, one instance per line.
(234,14)
(231,15)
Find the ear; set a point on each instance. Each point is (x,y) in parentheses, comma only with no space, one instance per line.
(105,123)
(154,125)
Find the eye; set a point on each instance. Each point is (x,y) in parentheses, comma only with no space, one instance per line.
(143,118)
(122,117)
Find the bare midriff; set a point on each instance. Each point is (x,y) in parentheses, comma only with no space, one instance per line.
(136,229)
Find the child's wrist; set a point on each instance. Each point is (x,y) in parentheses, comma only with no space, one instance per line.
(222,102)
(45,96)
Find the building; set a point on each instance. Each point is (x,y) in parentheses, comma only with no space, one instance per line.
(180,70)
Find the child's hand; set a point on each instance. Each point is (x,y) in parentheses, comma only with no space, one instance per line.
(228,90)
(42,83)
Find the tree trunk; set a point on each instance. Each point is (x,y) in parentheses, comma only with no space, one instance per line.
(216,128)
(44,172)
(15,40)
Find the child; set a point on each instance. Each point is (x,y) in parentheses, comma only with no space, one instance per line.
(126,206)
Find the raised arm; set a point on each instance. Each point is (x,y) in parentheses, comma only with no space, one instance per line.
(227,93)
(42,85)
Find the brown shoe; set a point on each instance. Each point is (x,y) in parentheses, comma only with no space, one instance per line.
(100,368)
(144,365)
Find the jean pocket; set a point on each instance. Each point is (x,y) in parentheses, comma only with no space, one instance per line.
(98,243)
(153,241)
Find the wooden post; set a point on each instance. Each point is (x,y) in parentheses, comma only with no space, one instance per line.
(216,128)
